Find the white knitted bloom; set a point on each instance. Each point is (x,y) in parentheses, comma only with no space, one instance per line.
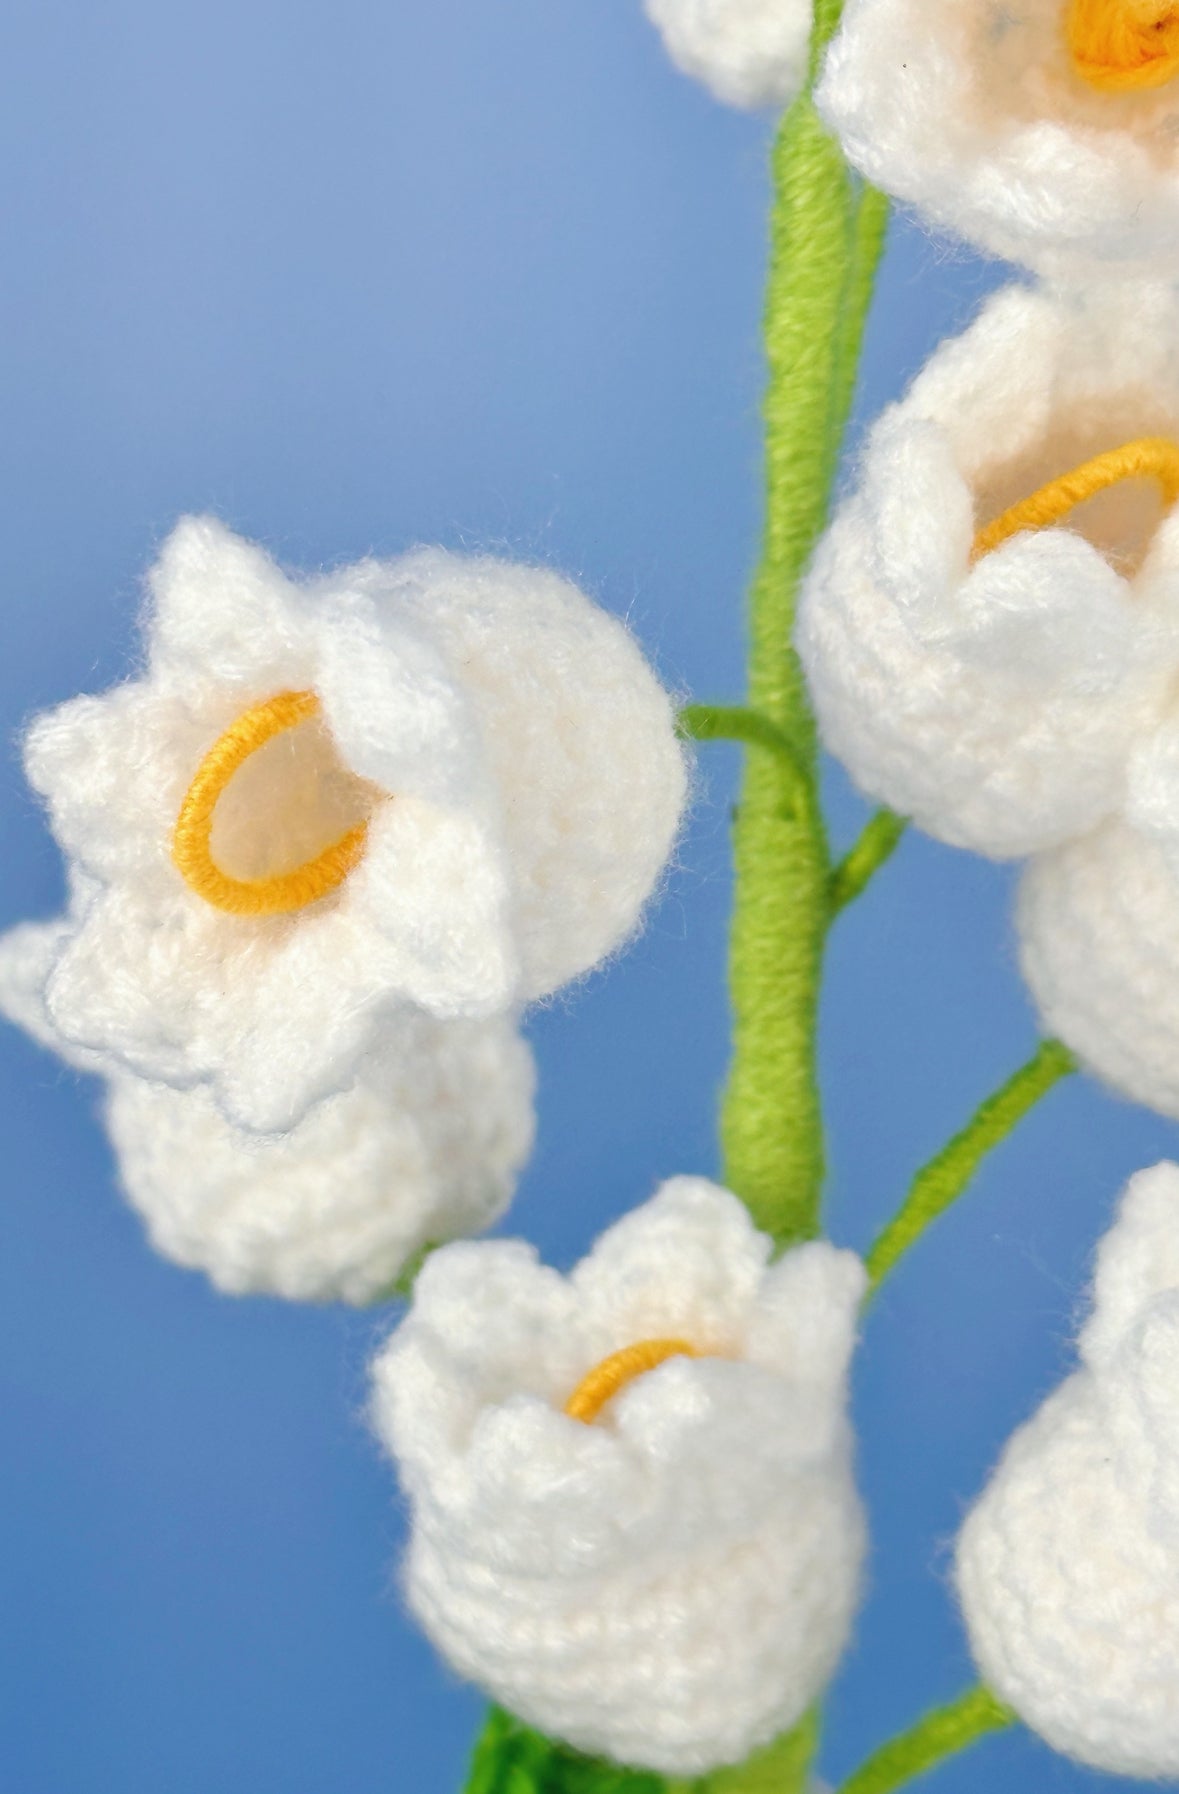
(977,113)
(1027,702)
(996,701)
(749,53)
(672,1582)
(513,756)
(424,1146)
(1068,1567)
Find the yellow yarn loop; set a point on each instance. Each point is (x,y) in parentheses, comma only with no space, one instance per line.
(1124,45)
(613,1374)
(191,849)
(1151,457)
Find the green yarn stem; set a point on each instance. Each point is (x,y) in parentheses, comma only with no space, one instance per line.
(826,237)
(938,1734)
(939,1183)
(878,842)
(510,1758)
(782,1767)
(737,722)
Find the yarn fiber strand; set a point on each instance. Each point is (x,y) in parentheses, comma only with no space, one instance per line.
(826,238)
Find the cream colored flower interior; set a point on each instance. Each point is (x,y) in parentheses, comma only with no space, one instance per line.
(1121,521)
(289,801)
(1037,59)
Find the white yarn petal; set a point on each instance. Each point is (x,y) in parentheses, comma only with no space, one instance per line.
(672,1585)
(749,53)
(518,757)
(426,1145)
(1068,1566)
(1099,946)
(997,703)
(972,111)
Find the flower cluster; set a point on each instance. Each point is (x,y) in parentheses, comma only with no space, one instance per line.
(990,633)
(321,851)
(341,830)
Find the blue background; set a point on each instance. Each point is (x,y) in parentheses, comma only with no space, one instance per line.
(358,276)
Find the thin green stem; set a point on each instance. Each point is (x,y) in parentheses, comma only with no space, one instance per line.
(944,1178)
(938,1734)
(877,843)
(737,722)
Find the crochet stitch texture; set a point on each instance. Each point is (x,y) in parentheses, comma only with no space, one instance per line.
(978,113)
(673,1584)
(425,1145)
(514,757)
(1068,1567)
(1022,703)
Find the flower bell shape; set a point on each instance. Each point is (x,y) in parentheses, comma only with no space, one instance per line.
(748,53)
(1043,131)
(436,782)
(1068,1567)
(991,635)
(424,1146)
(633,1514)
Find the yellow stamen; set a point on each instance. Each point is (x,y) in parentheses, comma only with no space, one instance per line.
(1151,457)
(613,1374)
(191,849)
(1123,45)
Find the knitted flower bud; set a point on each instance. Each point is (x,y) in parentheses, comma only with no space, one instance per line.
(634,1519)
(425,1145)
(434,782)
(749,53)
(1068,1567)
(1041,130)
(986,641)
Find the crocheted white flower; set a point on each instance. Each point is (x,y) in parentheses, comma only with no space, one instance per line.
(1023,698)
(424,1146)
(1042,130)
(994,696)
(749,53)
(651,1555)
(435,781)
(1068,1567)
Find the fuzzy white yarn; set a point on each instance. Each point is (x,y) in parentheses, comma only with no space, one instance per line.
(971,111)
(424,1146)
(1027,704)
(749,53)
(1099,947)
(537,785)
(672,1585)
(1068,1567)
(996,703)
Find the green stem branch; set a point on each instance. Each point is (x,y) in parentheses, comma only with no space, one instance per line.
(737,722)
(877,843)
(939,1734)
(945,1177)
